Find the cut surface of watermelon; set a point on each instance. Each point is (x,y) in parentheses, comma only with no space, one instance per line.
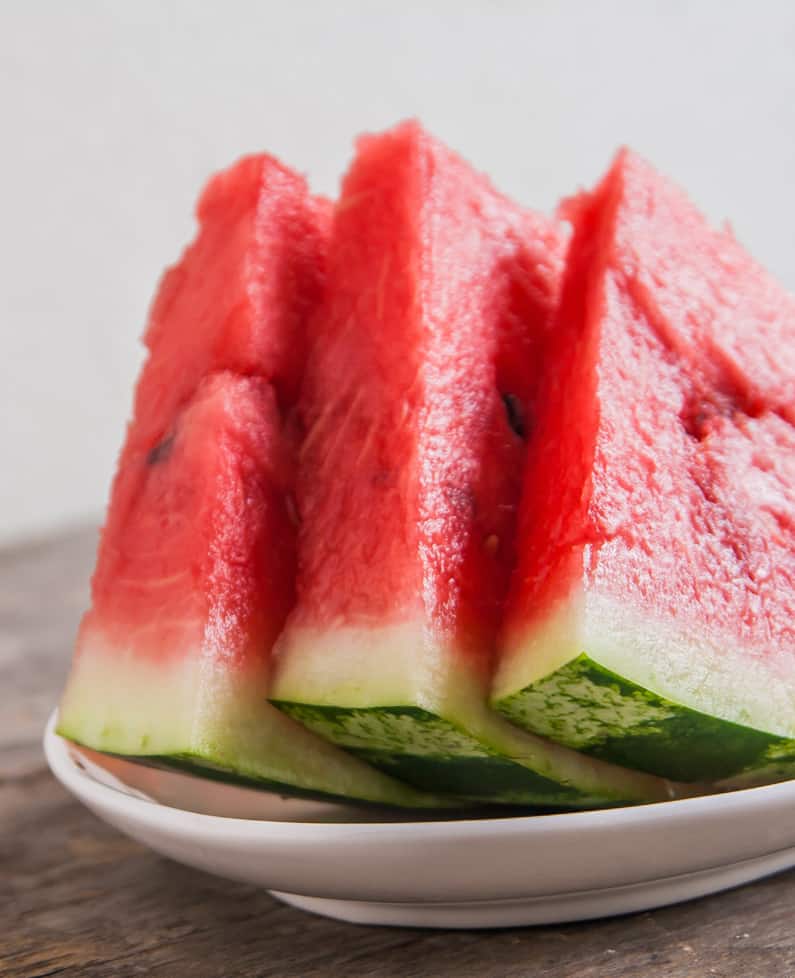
(196,565)
(651,616)
(424,362)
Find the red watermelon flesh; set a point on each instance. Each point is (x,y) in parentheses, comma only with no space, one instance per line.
(657,533)
(237,301)
(196,565)
(202,562)
(239,297)
(424,362)
(439,292)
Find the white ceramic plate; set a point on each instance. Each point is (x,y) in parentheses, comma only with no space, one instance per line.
(491,872)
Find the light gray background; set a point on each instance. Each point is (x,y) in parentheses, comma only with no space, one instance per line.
(112,114)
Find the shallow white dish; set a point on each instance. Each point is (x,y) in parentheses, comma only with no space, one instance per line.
(491,872)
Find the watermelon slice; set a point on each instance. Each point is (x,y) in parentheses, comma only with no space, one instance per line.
(652,616)
(415,403)
(195,572)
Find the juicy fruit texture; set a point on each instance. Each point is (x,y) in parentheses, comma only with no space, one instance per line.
(409,455)
(651,615)
(172,658)
(204,555)
(240,296)
(416,398)
(238,300)
(196,566)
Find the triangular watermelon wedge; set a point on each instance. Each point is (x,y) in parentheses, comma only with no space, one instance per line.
(425,357)
(651,617)
(196,565)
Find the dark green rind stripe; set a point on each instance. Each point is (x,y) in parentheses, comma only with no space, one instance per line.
(587,707)
(402,797)
(204,767)
(498,781)
(195,765)
(434,754)
(199,767)
(450,807)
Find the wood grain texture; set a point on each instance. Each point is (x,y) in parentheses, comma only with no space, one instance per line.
(77,898)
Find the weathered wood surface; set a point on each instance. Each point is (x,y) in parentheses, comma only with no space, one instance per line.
(77,898)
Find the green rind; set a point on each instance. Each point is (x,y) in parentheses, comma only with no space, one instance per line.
(590,708)
(436,754)
(203,767)
(214,720)
(222,765)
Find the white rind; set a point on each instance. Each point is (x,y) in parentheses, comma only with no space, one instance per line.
(362,667)
(697,669)
(531,654)
(113,693)
(359,668)
(194,707)
(700,670)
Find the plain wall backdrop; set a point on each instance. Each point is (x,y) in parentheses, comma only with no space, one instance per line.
(114,113)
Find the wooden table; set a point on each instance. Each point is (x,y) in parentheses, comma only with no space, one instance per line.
(77,898)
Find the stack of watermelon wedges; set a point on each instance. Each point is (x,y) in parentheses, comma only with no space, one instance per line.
(429,500)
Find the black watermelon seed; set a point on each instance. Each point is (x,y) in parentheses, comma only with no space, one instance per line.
(515,414)
(161,451)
